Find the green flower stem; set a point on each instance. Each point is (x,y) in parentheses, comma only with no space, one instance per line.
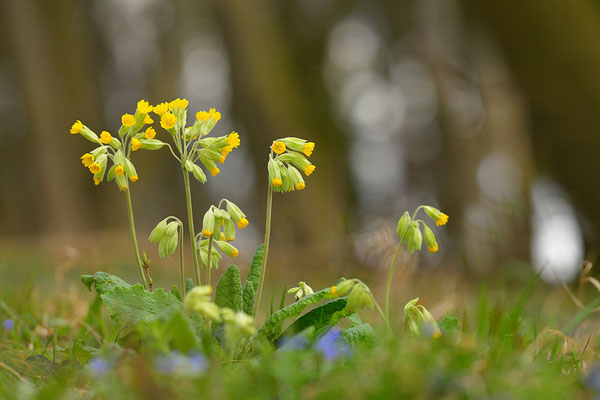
(395,259)
(266,251)
(134,239)
(188,195)
(209,259)
(181,268)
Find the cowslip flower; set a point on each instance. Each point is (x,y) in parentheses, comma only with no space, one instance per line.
(168,121)
(439,217)
(143,107)
(278,147)
(214,115)
(128,120)
(309,169)
(242,223)
(95,168)
(308,148)
(133,178)
(119,170)
(105,137)
(148,120)
(87,159)
(76,127)
(161,108)
(150,133)
(135,144)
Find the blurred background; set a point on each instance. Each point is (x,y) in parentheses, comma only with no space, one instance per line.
(485,109)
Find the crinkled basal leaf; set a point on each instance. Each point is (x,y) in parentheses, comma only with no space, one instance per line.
(272,326)
(129,305)
(103,282)
(251,285)
(320,317)
(362,334)
(229,289)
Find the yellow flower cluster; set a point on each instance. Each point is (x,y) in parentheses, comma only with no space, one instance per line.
(291,153)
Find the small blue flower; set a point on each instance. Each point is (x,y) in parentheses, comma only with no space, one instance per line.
(8,324)
(98,366)
(179,364)
(332,346)
(296,342)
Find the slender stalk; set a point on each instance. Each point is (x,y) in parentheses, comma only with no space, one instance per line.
(134,239)
(395,259)
(266,251)
(181,268)
(387,322)
(188,196)
(209,259)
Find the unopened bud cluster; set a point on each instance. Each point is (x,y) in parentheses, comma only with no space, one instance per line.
(359,294)
(166,234)
(409,230)
(302,290)
(291,158)
(419,322)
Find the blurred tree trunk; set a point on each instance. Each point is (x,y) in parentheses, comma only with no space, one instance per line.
(276,104)
(553,49)
(54,73)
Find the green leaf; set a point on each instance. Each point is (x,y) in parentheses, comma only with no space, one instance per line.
(251,285)
(171,330)
(129,305)
(103,282)
(273,324)
(189,284)
(229,289)
(448,324)
(362,334)
(320,317)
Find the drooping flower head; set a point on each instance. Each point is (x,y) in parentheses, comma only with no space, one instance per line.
(76,127)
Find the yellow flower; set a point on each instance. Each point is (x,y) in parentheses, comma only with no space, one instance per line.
(226,150)
(150,133)
(105,137)
(242,223)
(178,103)
(309,169)
(161,108)
(135,144)
(168,121)
(119,170)
(235,253)
(207,232)
(233,139)
(433,248)
(133,178)
(276,182)
(201,116)
(442,220)
(76,127)
(221,159)
(214,171)
(148,120)
(334,290)
(95,168)
(214,115)
(123,188)
(278,147)
(128,120)
(143,107)
(96,181)
(87,159)
(308,148)
(300,185)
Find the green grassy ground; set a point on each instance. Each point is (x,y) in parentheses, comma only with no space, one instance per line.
(515,339)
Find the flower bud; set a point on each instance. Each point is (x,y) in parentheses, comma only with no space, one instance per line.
(89,134)
(227,248)
(430,239)
(296,177)
(234,211)
(168,243)
(158,232)
(129,168)
(151,144)
(414,237)
(439,217)
(403,223)
(344,286)
(419,322)
(229,229)
(208,223)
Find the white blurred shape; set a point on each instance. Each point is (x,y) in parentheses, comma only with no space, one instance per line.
(557,247)
(353,44)
(499,177)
